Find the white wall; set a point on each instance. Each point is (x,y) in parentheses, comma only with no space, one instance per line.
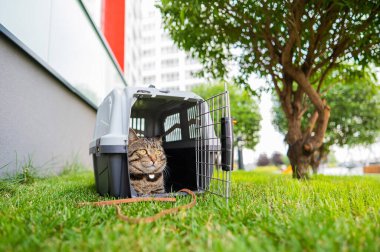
(40,118)
(62,35)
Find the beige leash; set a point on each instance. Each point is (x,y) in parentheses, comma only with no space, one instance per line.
(148,219)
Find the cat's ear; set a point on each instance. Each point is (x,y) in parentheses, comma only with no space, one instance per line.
(132,136)
(158,139)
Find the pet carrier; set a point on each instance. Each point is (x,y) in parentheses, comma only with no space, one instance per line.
(197,139)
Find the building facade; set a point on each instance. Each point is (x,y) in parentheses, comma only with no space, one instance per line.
(151,56)
(55,68)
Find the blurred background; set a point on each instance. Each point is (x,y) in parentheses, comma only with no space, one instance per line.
(94,46)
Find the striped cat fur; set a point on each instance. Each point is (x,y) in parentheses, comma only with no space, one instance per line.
(146,162)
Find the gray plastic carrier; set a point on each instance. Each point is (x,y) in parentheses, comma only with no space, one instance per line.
(197,139)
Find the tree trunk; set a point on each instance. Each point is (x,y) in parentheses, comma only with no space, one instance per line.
(315,163)
(316,160)
(300,160)
(298,157)
(318,156)
(302,142)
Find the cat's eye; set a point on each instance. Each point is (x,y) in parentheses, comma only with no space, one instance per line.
(158,152)
(141,152)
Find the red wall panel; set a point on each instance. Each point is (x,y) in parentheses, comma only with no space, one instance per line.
(113,20)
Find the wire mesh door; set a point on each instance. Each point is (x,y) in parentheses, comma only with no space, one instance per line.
(214,145)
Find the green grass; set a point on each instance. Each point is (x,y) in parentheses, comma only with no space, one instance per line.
(266,213)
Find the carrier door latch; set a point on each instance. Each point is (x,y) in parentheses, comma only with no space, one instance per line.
(226,140)
(97,151)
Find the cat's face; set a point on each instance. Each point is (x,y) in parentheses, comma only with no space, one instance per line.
(145,155)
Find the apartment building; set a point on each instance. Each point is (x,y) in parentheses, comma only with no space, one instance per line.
(151,56)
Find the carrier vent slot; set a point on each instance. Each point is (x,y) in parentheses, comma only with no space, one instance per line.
(138,125)
(172,128)
(192,121)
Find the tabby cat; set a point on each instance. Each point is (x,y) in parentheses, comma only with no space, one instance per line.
(147,162)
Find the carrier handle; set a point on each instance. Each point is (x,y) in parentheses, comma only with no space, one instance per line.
(226,140)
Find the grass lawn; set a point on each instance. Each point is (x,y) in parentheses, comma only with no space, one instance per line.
(267,212)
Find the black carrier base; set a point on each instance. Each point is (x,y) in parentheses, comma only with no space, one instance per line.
(111,175)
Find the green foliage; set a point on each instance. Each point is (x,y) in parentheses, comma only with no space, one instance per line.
(285,160)
(266,213)
(277,159)
(244,109)
(25,172)
(354,99)
(263,160)
(218,32)
(74,166)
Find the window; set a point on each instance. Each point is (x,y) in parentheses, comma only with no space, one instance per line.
(169,49)
(133,79)
(149,65)
(190,61)
(170,76)
(135,11)
(172,128)
(189,75)
(173,88)
(148,39)
(138,125)
(133,57)
(169,63)
(149,79)
(191,86)
(148,52)
(165,36)
(148,27)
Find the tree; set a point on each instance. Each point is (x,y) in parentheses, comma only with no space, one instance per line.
(263,160)
(294,44)
(244,110)
(276,159)
(356,117)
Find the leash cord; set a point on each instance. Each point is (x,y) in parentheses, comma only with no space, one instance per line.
(148,219)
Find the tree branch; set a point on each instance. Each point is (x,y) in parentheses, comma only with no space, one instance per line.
(317,140)
(274,56)
(303,111)
(297,101)
(312,121)
(326,22)
(300,77)
(344,41)
(276,86)
(293,21)
(273,50)
(324,74)
(286,95)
